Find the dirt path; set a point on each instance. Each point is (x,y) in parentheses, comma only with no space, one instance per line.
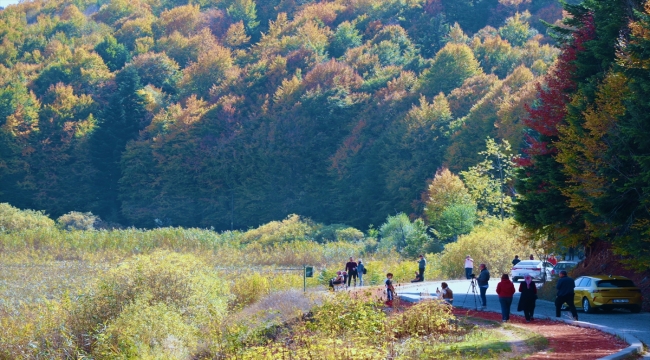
(565,342)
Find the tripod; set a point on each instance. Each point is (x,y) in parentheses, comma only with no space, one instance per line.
(472,288)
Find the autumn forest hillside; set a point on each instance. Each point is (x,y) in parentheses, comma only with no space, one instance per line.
(233,113)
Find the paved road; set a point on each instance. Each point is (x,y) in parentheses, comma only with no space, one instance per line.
(636,324)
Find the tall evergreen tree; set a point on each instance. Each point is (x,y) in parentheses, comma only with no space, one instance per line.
(120,122)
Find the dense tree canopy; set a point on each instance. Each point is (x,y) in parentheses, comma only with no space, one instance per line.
(237,113)
(584,176)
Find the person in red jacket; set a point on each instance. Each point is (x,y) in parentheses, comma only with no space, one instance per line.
(505,290)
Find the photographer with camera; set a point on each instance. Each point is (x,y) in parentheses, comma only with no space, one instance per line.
(482,281)
(469,267)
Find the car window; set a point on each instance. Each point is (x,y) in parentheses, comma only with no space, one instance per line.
(615,283)
(559,266)
(586,282)
(578,281)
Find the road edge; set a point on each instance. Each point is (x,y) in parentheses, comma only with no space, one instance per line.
(636,346)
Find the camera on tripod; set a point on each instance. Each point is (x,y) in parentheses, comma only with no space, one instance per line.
(473,276)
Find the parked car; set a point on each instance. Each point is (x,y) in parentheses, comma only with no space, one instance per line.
(563,265)
(606,292)
(532,268)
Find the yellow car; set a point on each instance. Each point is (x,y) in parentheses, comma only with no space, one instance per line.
(606,292)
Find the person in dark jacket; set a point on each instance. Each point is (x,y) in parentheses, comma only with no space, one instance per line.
(505,290)
(516,260)
(422,264)
(351,268)
(565,294)
(482,281)
(528,298)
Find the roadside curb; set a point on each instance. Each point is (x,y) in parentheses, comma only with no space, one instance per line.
(636,347)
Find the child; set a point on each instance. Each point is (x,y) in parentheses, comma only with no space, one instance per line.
(390,290)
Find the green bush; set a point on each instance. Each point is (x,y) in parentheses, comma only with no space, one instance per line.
(290,229)
(75,220)
(144,331)
(424,318)
(179,281)
(14,219)
(249,288)
(341,314)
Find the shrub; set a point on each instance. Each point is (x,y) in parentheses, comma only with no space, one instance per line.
(290,229)
(178,281)
(424,318)
(75,220)
(145,331)
(14,219)
(248,289)
(341,314)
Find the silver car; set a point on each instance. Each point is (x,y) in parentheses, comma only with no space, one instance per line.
(563,265)
(537,269)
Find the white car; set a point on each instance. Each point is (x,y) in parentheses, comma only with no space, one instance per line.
(532,268)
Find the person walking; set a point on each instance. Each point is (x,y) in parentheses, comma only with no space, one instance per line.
(361,269)
(505,290)
(469,267)
(482,281)
(528,298)
(565,294)
(516,260)
(351,268)
(422,264)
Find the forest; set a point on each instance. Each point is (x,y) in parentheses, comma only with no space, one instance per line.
(584,174)
(228,114)
(180,156)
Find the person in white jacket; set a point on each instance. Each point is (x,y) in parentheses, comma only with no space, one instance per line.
(469,267)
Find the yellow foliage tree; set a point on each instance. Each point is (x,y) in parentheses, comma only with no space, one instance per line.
(494,243)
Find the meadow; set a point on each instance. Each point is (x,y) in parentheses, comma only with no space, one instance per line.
(69,290)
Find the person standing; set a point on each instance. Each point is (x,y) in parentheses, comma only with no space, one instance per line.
(351,268)
(360,271)
(516,260)
(552,259)
(482,281)
(390,290)
(531,257)
(565,294)
(422,264)
(528,298)
(505,290)
(469,267)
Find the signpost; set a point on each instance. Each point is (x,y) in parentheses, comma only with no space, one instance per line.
(307,272)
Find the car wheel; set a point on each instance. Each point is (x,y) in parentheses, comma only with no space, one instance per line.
(636,309)
(586,307)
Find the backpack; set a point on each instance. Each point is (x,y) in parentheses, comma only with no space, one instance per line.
(364,270)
